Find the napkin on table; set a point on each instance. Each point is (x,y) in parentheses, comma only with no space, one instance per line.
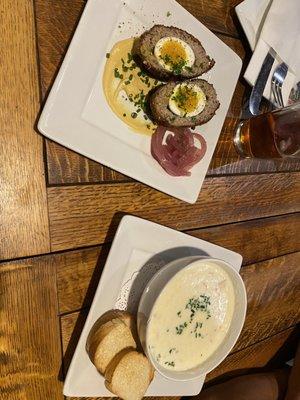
(272,24)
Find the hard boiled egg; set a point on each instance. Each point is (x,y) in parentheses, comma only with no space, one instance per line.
(187,100)
(173,54)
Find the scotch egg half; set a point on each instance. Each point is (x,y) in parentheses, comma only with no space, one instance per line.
(187,100)
(174,54)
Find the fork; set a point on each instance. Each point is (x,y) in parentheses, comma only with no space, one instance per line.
(276,84)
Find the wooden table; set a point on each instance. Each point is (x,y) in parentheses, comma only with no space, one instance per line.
(59,212)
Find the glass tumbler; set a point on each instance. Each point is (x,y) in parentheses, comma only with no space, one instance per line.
(275,134)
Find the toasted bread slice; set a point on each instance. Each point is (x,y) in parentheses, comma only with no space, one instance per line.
(128,375)
(125,316)
(108,337)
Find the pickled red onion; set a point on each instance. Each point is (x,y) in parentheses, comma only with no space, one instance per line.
(176,151)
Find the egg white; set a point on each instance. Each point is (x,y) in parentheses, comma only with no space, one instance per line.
(201,101)
(189,54)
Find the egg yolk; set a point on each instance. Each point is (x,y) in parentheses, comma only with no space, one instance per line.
(172,52)
(186,99)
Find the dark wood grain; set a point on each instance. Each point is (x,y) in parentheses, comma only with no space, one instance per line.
(88,215)
(256,240)
(56,21)
(23,207)
(218,15)
(273,297)
(36,293)
(30,353)
(66,166)
(273,291)
(78,272)
(256,356)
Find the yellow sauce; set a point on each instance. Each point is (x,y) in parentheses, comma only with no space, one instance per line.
(124,80)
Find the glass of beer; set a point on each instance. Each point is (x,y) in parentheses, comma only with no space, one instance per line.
(275,134)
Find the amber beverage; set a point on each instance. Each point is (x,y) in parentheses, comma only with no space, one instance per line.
(271,135)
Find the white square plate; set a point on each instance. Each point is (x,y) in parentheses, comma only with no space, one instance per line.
(139,249)
(77,116)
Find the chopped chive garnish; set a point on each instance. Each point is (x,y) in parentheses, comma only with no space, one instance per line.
(170,363)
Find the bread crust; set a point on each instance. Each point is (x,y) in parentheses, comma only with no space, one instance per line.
(120,363)
(114,322)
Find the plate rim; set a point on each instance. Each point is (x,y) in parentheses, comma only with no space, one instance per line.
(187,193)
(128,222)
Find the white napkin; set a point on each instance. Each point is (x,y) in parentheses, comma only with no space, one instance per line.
(272,24)
(252,14)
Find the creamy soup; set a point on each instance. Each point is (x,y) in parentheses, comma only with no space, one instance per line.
(191,316)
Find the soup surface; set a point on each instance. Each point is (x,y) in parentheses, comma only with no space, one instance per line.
(191,316)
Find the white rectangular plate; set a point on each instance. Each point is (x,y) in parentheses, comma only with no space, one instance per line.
(139,249)
(77,116)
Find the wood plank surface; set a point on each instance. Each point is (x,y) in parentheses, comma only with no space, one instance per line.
(256,356)
(78,272)
(88,215)
(256,240)
(30,351)
(254,210)
(66,166)
(273,292)
(23,208)
(54,34)
(217,15)
(56,21)
(273,297)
